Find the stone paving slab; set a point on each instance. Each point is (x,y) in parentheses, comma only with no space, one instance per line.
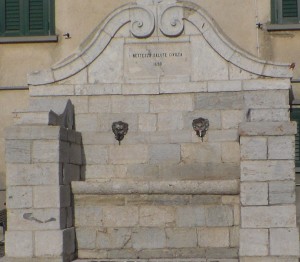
(158,260)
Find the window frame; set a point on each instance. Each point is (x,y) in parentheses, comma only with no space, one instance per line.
(24,33)
(277,13)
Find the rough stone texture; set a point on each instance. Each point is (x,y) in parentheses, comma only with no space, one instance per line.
(163,193)
(254,242)
(284,242)
(254,148)
(254,193)
(281,147)
(268,216)
(282,192)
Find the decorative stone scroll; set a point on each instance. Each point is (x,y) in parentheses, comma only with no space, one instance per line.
(142,22)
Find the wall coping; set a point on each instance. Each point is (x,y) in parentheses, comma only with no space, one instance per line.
(212,187)
(142,17)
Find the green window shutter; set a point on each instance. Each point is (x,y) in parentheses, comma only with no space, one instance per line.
(26,17)
(36,17)
(11,17)
(295,116)
(290,8)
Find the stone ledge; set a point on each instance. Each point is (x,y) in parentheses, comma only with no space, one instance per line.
(158,260)
(218,187)
(267,128)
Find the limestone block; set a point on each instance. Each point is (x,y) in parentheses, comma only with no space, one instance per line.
(19,244)
(230,152)
(105,171)
(269,259)
(268,216)
(219,101)
(120,216)
(114,238)
(204,153)
(94,138)
(80,78)
(266,99)
(254,242)
(207,63)
(184,87)
(147,122)
(267,170)
(106,120)
(269,115)
(237,215)
(213,116)
(87,122)
(214,136)
(19,197)
(98,89)
(55,243)
(219,216)
(267,128)
(36,132)
(170,121)
(236,73)
(89,200)
(111,64)
(266,84)
(171,103)
(29,118)
(213,237)
(33,174)
(70,173)
(282,192)
(190,216)
(92,254)
(181,237)
(253,147)
(239,58)
(18,151)
(229,200)
(137,89)
(95,154)
(160,216)
(234,236)
(128,154)
(37,219)
(205,200)
(224,86)
(130,104)
(284,242)
(100,104)
(88,216)
(40,77)
(254,194)
(98,46)
(221,253)
(51,90)
(122,254)
(86,237)
(167,153)
(232,118)
(51,196)
(146,238)
(50,151)
(45,104)
(281,147)
(159,200)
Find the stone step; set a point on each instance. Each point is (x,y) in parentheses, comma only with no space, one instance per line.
(158,260)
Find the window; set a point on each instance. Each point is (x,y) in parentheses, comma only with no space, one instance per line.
(295,116)
(285,11)
(26,18)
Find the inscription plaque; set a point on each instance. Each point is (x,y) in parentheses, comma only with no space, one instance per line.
(153,60)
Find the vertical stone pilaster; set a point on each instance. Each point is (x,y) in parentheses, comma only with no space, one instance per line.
(41,163)
(268,209)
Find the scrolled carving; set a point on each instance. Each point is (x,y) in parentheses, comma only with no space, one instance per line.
(142,22)
(171,21)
